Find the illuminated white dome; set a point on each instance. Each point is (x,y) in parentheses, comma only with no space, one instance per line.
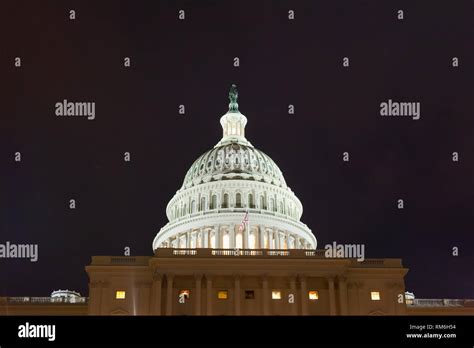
(225,185)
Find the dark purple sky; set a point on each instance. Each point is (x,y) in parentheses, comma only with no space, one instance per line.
(282,62)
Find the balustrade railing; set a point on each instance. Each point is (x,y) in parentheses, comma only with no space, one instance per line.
(48,300)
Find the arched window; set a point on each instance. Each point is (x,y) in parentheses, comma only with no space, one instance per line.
(282,210)
(225,203)
(193,206)
(213,202)
(203,203)
(262,203)
(238,200)
(272,204)
(251,202)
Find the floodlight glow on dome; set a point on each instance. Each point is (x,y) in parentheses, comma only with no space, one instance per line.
(226,182)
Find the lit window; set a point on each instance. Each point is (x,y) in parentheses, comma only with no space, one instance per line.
(249,294)
(276,295)
(184,294)
(313,295)
(120,295)
(222,295)
(375,296)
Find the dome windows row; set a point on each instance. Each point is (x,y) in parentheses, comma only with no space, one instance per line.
(236,200)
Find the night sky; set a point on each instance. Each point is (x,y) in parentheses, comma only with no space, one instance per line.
(282,62)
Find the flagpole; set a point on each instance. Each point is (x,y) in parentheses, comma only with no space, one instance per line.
(248,229)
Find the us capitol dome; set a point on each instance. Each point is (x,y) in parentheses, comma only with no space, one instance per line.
(234,197)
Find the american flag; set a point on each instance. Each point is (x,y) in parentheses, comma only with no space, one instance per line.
(244,221)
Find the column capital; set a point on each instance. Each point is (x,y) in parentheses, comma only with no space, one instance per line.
(342,278)
(395,285)
(157,276)
(302,277)
(169,276)
(96,284)
(198,276)
(355,285)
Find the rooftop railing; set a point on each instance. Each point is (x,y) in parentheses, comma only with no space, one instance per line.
(271,253)
(46,300)
(426,302)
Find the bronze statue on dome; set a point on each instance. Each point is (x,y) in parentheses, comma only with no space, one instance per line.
(233,94)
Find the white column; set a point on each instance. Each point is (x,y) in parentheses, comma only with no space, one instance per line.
(245,237)
(232,235)
(188,239)
(206,238)
(277,239)
(218,237)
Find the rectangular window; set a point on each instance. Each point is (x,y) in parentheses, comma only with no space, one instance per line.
(249,294)
(222,295)
(120,295)
(184,294)
(313,295)
(375,296)
(276,295)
